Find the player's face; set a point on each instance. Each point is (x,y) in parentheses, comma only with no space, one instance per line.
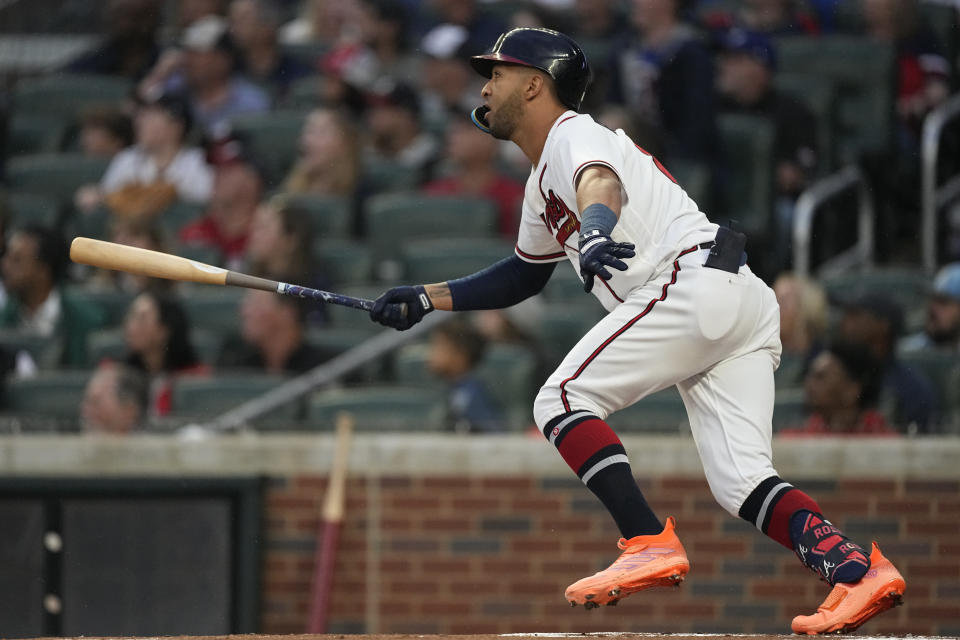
(503,95)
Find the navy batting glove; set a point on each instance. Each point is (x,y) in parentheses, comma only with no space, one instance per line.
(401,307)
(597,252)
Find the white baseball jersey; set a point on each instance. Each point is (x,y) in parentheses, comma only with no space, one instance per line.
(672,321)
(657,215)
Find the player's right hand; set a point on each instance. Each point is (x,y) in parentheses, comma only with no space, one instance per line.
(597,252)
(401,307)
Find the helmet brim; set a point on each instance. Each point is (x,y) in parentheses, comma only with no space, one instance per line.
(483,64)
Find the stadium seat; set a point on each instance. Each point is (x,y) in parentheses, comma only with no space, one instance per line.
(306,93)
(818,94)
(439,260)
(179,214)
(53,396)
(507,371)
(790,372)
(66,94)
(344,261)
(113,302)
(213,308)
(335,341)
(395,218)
(381,176)
(940,369)
(378,408)
(199,397)
(694,177)
(564,285)
(57,175)
(661,412)
(44,351)
(862,71)
(330,216)
(905,286)
(789,408)
(36,133)
(27,208)
(563,325)
(747,148)
(274,139)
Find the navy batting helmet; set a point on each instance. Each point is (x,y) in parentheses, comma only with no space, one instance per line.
(552,52)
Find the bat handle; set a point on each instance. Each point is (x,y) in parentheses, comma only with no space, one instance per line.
(324,296)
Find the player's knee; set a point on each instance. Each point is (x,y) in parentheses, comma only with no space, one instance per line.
(551,402)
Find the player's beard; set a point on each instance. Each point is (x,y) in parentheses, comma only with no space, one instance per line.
(507,117)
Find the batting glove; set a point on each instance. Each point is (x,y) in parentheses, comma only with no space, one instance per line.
(401,307)
(597,252)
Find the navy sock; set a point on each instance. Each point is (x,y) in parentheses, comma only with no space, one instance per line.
(826,550)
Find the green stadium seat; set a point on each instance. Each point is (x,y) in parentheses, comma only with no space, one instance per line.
(395,218)
(382,176)
(790,372)
(344,262)
(789,409)
(306,93)
(378,408)
(940,369)
(564,285)
(862,71)
(26,208)
(179,214)
(439,260)
(105,344)
(274,140)
(57,175)
(330,216)
(213,308)
(44,351)
(818,94)
(199,397)
(747,148)
(694,177)
(661,412)
(51,394)
(36,133)
(562,325)
(113,302)
(67,94)
(907,287)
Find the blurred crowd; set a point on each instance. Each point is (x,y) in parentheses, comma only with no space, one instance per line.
(272,136)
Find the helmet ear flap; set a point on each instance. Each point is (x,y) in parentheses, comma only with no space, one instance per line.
(479,118)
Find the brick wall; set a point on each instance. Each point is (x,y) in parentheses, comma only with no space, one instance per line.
(449,554)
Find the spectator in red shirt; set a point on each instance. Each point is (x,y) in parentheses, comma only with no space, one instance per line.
(842,388)
(471,157)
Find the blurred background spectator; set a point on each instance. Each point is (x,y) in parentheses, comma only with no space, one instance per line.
(841,393)
(396,132)
(907,396)
(105,132)
(272,337)
(144,233)
(449,83)
(130,45)
(160,169)
(941,330)
(156,332)
(328,163)
(254,26)
(34,268)
(803,322)
(456,348)
(114,401)
(469,167)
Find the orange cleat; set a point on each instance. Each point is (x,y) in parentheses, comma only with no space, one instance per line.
(647,561)
(850,605)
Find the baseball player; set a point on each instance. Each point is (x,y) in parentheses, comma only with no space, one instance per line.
(684,309)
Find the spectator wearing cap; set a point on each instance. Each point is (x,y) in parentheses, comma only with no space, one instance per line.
(33,268)
(254,25)
(907,397)
(206,70)
(395,132)
(449,83)
(746,64)
(841,390)
(238,187)
(941,331)
(470,160)
(481,25)
(130,48)
(158,169)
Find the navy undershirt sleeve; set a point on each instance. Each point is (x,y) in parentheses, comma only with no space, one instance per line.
(502,284)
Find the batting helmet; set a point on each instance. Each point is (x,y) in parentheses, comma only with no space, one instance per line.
(552,52)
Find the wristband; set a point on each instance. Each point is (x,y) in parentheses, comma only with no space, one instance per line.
(597,217)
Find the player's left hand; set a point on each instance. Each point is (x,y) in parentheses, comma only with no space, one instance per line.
(401,307)
(599,251)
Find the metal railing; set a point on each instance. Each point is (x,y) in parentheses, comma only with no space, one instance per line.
(810,203)
(932,197)
(367,351)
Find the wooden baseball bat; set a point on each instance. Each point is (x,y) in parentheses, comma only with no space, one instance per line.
(155,264)
(328,533)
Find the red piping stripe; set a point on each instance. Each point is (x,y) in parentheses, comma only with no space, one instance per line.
(630,323)
(530,256)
